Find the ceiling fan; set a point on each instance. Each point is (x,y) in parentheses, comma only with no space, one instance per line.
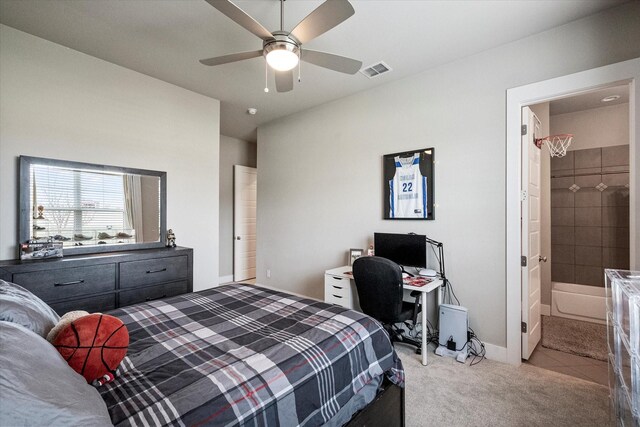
(283,49)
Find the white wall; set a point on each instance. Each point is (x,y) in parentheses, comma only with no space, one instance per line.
(59,103)
(594,128)
(321,170)
(542,112)
(233,151)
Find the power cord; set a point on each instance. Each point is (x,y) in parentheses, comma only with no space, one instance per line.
(476,348)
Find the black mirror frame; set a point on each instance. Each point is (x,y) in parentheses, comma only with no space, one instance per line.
(24,204)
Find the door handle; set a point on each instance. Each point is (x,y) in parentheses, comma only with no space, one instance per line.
(542,258)
(238,238)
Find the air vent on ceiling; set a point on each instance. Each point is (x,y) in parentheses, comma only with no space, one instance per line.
(376,69)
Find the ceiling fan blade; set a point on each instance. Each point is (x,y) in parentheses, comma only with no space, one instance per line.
(322,19)
(241,18)
(284,81)
(234,57)
(331,61)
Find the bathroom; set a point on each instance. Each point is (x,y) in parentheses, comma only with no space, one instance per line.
(584,227)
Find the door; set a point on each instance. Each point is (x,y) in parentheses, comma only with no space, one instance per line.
(530,214)
(244,222)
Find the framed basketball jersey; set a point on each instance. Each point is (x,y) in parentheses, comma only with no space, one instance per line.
(408,185)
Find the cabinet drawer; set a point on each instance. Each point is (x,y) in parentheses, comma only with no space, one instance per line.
(51,285)
(98,304)
(337,286)
(151,293)
(148,272)
(336,282)
(339,300)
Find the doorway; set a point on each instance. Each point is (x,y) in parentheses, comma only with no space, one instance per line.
(624,73)
(245,192)
(583,228)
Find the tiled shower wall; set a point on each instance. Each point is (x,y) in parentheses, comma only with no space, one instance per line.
(589,214)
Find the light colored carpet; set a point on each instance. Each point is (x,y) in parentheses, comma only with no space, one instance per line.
(575,337)
(448,393)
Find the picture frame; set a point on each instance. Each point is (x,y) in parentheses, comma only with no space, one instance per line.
(354,254)
(408,185)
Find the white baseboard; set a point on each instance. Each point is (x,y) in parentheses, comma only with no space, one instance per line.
(225,279)
(545,309)
(495,352)
(288,291)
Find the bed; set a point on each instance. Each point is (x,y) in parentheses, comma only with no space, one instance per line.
(233,355)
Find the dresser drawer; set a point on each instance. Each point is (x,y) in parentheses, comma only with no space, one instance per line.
(97,304)
(151,293)
(151,271)
(56,284)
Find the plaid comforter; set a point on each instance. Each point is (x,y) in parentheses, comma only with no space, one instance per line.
(244,355)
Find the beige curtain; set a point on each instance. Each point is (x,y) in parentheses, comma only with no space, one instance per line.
(133,205)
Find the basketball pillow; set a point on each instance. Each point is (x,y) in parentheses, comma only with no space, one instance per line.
(93,345)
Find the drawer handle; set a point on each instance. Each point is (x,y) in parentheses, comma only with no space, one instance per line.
(337,278)
(157,271)
(153,299)
(75,282)
(337,287)
(337,296)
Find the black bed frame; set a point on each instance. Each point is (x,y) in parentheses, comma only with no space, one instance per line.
(386,410)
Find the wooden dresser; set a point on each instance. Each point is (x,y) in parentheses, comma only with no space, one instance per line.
(102,282)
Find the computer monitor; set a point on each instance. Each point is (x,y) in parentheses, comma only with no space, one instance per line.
(408,250)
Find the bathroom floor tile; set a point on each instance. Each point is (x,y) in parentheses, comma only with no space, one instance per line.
(584,368)
(567,359)
(597,373)
(542,359)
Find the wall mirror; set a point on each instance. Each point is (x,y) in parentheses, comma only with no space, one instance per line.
(91,208)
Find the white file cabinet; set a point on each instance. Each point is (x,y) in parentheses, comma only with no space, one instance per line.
(339,288)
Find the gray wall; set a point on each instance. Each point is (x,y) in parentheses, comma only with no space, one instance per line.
(320,174)
(59,103)
(233,151)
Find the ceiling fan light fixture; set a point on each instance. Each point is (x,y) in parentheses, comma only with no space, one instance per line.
(282,51)
(282,59)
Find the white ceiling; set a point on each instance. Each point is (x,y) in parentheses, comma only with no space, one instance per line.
(165,39)
(589,100)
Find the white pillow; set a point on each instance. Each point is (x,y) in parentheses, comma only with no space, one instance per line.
(38,387)
(20,306)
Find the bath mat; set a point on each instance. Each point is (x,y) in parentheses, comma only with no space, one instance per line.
(575,337)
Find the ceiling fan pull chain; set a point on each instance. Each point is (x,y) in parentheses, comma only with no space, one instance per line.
(299,65)
(266,77)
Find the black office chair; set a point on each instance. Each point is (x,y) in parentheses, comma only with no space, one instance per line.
(379,285)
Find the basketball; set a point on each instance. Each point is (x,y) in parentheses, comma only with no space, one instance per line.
(93,345)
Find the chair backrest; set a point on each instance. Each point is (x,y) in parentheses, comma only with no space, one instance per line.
(379,284)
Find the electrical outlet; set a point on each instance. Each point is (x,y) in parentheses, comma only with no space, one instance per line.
(268,273)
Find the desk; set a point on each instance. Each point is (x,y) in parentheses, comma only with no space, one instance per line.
(340,288)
